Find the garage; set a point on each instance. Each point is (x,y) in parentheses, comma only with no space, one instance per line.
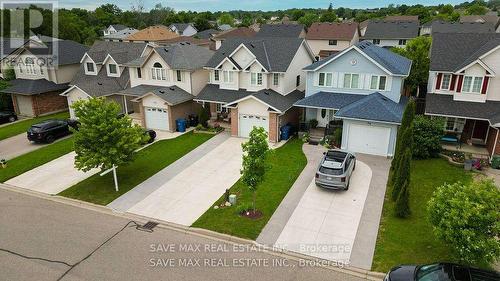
(156,118)
(368,139)
(247,122)
(24,105)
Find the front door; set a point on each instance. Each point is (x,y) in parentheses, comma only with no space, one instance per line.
(480,130)
(324,117)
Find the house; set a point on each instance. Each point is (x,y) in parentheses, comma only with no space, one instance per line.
(358,90)
(114,28)
(255,82)
(456,27)
(391,33)
(362,27)
(239,32)
(183,29)
(101,72)
(488,18)
(152,34)
(326,38)
(206,34)
(8,47)
(206,43)
(225,27)
(464,87)
(164,80)
(282,30)
(43,70)
(121,35)
(402,18)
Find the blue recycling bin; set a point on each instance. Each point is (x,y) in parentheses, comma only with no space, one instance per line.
(286,132)
(181,125)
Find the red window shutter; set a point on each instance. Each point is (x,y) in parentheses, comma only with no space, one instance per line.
(485,85)
(438,81)
(452,83)
(459,84)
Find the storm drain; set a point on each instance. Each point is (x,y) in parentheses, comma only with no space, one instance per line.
(148,226)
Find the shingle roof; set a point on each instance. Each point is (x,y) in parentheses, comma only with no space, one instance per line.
(173,95)
(332,31)
(119,27)
(66,51)
(240,32)
(444,105)
(121,52)
(462,27)
(33,87)
(100,84)
(185,39)
(272,98)
(329,100)
(122,34)
(152,34)
(275,54)
(206,34)
(9,45)
(280,30)
(181,26)
(184,56)
(401,18)
(374,107)
(452,51)
(391,30)
(393,62)
(480,18)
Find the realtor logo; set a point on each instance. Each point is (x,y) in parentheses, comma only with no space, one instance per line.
(22,23)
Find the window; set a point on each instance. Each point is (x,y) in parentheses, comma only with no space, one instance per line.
(454,124)
(402,42)
(157,72)
(256,78)
(472,84)
(332,42)
(378,82)
(276,79)
(227,76)
(325,79)
(112,68)
(179,75)
(139,73)
(376,41)
(351,81)
(90,67)
(297,81)
(30,66)
(216,75)
(218,107)
(446,81)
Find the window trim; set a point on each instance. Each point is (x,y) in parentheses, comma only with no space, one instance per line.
(258,81)
(350,81)
(87,67)
(216,75)
(109,69)
(471,87)
(276,79)
(441,87)
(458,124)
(377,86)
(332,42)
(230,76)
(325,79)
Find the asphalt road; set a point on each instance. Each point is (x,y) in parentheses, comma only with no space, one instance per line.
(45,240)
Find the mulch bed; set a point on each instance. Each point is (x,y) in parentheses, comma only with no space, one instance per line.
(251,214)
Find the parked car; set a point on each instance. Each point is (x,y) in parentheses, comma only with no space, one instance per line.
(335,169)
(7,116)
(440,272)
(48,131)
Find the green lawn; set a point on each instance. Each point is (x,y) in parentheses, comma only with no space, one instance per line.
(101,190)
(411,240)
(20,127)
(286,164)
(35,158)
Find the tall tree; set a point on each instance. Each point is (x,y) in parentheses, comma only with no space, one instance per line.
(309,19)
(401,142)
(226,18)
(477,9)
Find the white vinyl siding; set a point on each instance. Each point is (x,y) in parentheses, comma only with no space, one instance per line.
(378,82)
(256,79)
(325,79)
(351,81)
(472,84)
(446,81)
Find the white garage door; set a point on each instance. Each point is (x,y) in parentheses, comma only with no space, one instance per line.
(156,118)
(25,105)
(368,139)
(247,122)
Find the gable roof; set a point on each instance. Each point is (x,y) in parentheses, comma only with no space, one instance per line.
(461,27)
(378,29)
(336,31)
(119,27)
(280,30)
(33,87)
(275,54)
(206,34)
(153,33)
(329,100)
(453,51)
(9,45)
(184,56)
(374,107)
(392,62)
(66,51)
(494,19)
(240,32)
(181,26)
(401,18)
(122,34)
(100,84)
(173,95)
(186,40)
(121,52)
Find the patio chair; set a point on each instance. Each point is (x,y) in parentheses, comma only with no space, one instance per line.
(451,138)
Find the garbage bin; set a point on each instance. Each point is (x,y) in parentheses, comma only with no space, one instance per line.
(285,132)
(193,120)
(468,164)
(181,125)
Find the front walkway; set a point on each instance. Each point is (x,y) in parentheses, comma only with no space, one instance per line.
(183,198)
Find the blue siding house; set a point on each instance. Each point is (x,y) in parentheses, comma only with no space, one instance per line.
(360,87)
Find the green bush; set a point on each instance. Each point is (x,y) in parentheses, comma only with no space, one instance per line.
(466,217)
(495,162)
(203,116)
(337,136)
(427,134)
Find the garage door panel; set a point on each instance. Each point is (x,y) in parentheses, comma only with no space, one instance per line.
(247,122)
(368,139)
(156,118)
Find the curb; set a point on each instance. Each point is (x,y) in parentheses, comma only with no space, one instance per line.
(208,234)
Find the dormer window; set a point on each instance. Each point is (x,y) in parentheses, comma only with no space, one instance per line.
(179,75)
(446,81)
(112,69)
(227,76)
(90,67)
(158,72)
(30,66)
(216,75)
(472,84)
(276,79)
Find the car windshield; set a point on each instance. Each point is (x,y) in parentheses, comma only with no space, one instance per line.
(330,171)
(432,272)
(36,129)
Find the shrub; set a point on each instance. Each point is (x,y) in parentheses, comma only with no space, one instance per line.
(337,136)
(466,217)
(495,162)
(203,116)
(402,209)
(313,123)
(402,174)
(427,136)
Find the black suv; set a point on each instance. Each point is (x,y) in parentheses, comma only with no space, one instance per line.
(7,116)
(48,131)
(440,272)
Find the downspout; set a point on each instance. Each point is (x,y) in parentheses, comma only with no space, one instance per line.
(494,146)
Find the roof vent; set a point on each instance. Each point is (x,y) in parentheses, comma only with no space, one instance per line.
(99,83)
(166,50)
(266,93)
(252,45)
(161,92)
(172,89)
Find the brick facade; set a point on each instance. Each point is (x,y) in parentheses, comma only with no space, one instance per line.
(234,122)
(48,103)
(181,111)
(273,127)
(490,142)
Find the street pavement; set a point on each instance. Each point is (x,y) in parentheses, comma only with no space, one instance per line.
(42,239)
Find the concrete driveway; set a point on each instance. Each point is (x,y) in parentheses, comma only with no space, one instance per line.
(325,222)
(183,198)
(52,177)
(17,145)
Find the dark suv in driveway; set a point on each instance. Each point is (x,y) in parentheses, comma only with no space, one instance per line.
(440,272)
(48,131)
(7,116)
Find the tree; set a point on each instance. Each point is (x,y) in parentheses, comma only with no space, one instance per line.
(104,140)
(202,23)
(401,173)
(402,208)
(255,152)
(226,18)
(427,134)
(417,50)
(309,19)
(297,14)
(328,17)
(406,122)
(477,9)
(466,217)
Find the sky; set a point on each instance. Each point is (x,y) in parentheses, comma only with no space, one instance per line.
(264,5)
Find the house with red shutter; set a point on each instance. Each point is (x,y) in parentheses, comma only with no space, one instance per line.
(464,87)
